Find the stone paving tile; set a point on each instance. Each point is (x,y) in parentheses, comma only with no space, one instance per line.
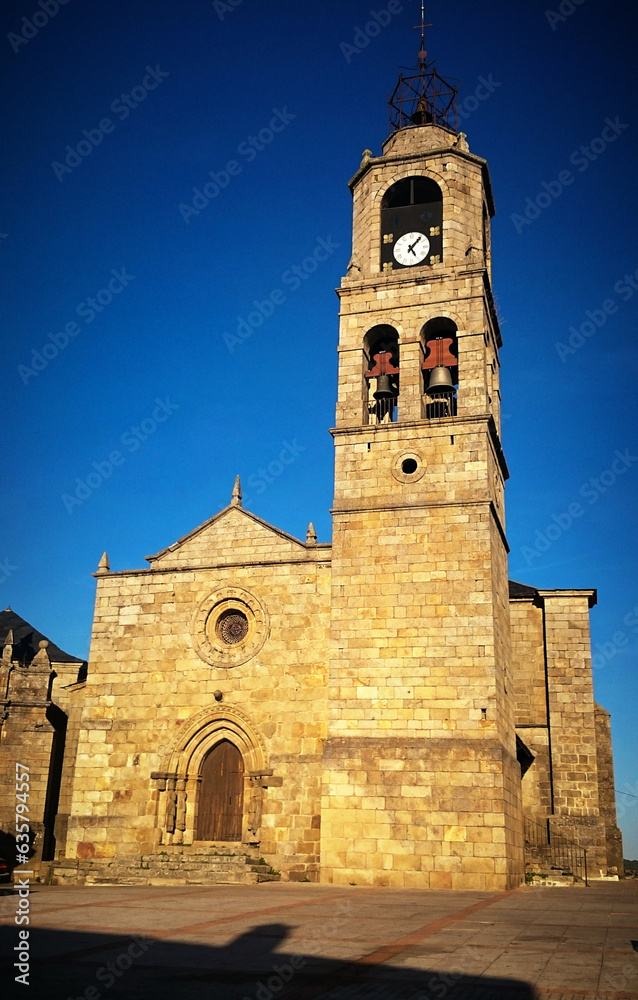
(221,943)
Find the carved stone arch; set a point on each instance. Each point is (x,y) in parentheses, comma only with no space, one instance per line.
(412,169)
(368,325)
(211,726)
(181,778)
(443,312)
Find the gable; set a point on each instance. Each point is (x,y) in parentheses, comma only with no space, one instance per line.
(234,536)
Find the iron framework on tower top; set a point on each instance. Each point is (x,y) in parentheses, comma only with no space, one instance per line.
(424,98)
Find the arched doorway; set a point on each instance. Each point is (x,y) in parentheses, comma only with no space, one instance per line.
(221,794)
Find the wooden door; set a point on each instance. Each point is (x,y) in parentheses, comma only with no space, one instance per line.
(221,794)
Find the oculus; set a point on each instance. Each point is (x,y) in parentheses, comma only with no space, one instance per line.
(229,627)
(408,467)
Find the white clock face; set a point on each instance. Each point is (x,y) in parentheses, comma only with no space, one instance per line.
(411,249)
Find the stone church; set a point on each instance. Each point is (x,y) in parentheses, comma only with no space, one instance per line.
(388,709)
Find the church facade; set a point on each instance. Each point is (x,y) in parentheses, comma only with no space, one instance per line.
(388,709)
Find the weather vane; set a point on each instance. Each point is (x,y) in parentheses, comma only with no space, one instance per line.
(423,56)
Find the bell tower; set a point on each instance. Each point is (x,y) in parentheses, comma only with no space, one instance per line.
(421,782)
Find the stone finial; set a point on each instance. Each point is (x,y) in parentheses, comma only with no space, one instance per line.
(462,143)
(42,657)
(366,157)
(236,497)
(311,535)
(104,565)
(7,651)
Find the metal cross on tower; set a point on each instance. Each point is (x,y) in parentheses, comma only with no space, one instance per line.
(424,97)
(423,56)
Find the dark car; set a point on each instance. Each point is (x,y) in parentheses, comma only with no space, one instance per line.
(5,871)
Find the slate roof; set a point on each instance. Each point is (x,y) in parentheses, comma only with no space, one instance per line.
(521,590)
(26,639)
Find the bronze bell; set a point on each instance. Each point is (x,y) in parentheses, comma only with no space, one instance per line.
(422,115)
(384,389)
(441,380)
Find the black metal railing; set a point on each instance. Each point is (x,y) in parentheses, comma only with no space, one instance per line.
(556,851)
(383,411)
(439,404)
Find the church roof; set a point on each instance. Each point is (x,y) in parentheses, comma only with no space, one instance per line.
(26,640)
(522,590)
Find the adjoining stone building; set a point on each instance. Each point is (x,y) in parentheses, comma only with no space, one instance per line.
(40,708)
(388,709)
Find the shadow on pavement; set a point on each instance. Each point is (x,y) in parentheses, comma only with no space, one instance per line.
(257,965)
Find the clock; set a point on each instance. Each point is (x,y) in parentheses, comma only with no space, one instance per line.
(411,217)
(411,249)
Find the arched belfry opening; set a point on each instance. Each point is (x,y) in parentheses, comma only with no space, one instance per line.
(412,224)
(440,367)
(221,794)
(381,374)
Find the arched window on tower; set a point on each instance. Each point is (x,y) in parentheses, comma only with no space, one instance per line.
(440,368)
(381,374)
(412,224)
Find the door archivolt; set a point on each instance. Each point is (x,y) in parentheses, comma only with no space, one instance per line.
(192,766)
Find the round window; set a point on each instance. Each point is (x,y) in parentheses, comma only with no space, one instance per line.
(409,466)
(232,627)
(229,627)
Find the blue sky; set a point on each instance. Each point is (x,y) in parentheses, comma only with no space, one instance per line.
(144,391)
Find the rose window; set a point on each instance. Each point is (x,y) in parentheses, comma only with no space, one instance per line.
(232,627)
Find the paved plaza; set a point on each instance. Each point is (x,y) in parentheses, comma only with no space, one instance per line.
(308,942)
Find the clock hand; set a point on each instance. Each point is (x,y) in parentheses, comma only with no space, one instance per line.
(411,249)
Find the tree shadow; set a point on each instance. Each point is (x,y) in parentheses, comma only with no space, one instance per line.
(256,965)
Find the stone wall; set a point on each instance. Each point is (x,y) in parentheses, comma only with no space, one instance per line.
(40,717)
(154,705)
(607,790)
(421,721)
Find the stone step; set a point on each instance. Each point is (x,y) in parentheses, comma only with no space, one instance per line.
(166,868)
